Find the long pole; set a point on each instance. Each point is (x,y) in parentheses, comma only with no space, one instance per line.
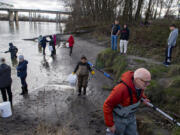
(149,104)
(163,113)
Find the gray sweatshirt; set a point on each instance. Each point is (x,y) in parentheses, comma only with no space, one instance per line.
(173,37)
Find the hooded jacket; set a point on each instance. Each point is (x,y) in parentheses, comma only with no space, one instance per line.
(173,37)
(124,34)
(22,69)
(5,75)
(120,95)
(71,41)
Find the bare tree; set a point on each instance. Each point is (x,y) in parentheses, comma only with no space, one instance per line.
(148,12)
(168,4)
(161,7)
(139,8)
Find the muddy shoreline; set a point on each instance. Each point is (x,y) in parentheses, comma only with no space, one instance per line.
(56,105)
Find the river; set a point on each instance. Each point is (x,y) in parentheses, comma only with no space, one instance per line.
(39,67)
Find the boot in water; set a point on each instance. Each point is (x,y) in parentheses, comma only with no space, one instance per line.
(84,92)
(79,94)
(23,91)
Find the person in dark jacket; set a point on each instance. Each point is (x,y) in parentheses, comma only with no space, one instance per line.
(51,43)
(5,80)
(124,39)
(115,30)
(22,73)
(12,50)
(43,44)
(82,70)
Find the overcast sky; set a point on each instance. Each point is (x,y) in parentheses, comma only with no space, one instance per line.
(36,4)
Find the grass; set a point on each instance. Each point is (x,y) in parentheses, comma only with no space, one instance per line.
(176,131)
(165,95)
(111,62)
(140,61)
(158,71)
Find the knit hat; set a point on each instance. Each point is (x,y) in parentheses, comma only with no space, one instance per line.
(21,57)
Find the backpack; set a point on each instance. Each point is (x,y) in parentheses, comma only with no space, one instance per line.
(115,29)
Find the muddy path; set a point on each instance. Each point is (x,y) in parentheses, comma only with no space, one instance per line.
(55,103)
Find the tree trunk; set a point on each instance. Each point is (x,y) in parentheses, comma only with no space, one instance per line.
(168,7)
(148,12)
(138,12)
(125,11)
(161,7)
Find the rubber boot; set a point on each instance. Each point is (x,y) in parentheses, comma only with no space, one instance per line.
(11,104)
(23,91)
(84,92)
(79,91)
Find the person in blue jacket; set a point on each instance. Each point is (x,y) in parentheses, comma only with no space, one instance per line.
(43,44)
(22,74)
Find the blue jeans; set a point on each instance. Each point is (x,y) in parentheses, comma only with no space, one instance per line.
(169,54)
(114,42)
(23,81)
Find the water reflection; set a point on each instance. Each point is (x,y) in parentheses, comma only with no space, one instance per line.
(17,25)
(11,27)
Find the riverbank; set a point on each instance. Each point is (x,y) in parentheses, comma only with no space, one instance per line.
(54,107)
(149,41)
(163,90)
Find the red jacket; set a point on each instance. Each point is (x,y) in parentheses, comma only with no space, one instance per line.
(120,95)
(71,41)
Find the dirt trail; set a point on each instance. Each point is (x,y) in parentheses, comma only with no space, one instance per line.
(144,59)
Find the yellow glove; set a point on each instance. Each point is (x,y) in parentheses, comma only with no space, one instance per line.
(73,73)
(92,72)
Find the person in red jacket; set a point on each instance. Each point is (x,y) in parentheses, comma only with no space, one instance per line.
(119,108)
(71,44)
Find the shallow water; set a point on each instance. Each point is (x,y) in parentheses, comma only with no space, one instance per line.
(39,67)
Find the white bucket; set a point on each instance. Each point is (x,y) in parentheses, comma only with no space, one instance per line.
(5,109)
(67,45)
(50,48)
(72,79)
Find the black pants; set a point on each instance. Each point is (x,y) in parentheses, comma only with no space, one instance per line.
(23,81)
(54,50)
(5,91)
(44,49)
(70,52)
(168,54)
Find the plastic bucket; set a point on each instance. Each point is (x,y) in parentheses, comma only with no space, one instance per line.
(5,109)
(72,79)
